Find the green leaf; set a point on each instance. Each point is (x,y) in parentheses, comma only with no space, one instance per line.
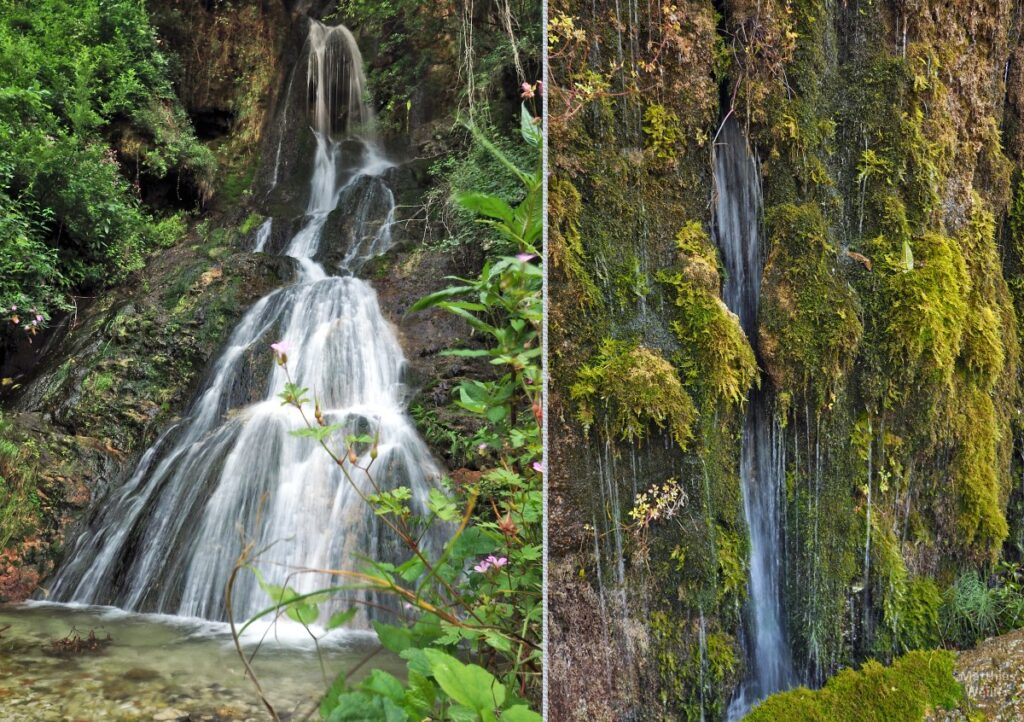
(485,204)
(496,413)
(498,641)
(531,131)
(363,707)
(520,713)
(395,639)
(303,613)
(319,433)
(330,699)
(381,683)
(420,695)
(467,684)
(441,505)
(339,619)
(412,569)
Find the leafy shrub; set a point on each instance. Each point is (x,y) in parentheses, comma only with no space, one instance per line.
(72,72)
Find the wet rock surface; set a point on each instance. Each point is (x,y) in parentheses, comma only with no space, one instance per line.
(992,676)
(117,373)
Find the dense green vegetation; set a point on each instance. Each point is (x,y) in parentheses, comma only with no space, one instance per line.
(916,683)
(88,118)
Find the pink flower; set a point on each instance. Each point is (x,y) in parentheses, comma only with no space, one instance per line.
(281,349)
(497,562)
(483,566)
(14,308)
(524,257)
(538,467)
(527,91)
(482,448)
(39,317)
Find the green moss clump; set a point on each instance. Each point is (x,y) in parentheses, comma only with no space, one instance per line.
(921,308)
(980,522)
(637,387)
(661,126)
(716,359)
(920,615)
(810,329)
(694,682)
(564,242)
(914,684)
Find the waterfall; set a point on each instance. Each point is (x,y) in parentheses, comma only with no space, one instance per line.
(231,471)
(762,453)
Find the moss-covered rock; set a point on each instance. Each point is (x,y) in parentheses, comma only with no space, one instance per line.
(809,318)
(635,386)
(913,686)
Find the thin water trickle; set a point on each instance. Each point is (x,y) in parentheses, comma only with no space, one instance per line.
(231,471)
(762,454)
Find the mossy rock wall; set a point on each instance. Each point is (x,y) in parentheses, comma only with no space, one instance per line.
(888,139)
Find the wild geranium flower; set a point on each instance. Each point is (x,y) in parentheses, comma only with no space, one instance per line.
(527,91)
(538,467)
(497,562)
(482,567)
(281,348)
(524,257)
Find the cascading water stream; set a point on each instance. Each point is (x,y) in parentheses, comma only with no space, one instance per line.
(230,471)
(762,455)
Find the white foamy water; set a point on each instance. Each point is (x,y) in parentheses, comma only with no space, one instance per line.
(167,539)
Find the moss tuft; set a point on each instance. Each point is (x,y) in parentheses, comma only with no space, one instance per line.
(810,329)
(913,685)
(637,387)
(716,359)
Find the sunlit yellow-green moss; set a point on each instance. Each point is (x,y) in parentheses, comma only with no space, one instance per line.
(692,678)
(914,684)
(636,387)
(716,359)
(974,477)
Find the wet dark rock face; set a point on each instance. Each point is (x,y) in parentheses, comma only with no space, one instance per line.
(111,378)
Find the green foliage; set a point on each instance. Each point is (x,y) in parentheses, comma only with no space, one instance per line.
(810,329)
(973,609)
(70,73)
(663,131)
(635,386)
(914,684)
(716,361)
(440,687)
(492,168)
(19,503)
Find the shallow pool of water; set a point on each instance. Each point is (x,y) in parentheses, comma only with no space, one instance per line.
(164,668)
